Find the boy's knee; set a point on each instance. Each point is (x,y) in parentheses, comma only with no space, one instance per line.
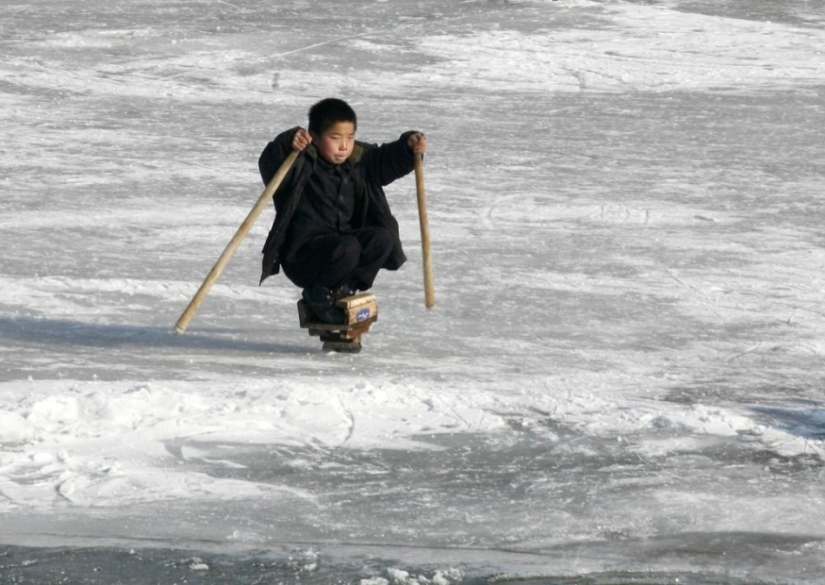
(349,250)
(381,238)
(386,237)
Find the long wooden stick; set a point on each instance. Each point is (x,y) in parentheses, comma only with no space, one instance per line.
(429,287)
(235,242)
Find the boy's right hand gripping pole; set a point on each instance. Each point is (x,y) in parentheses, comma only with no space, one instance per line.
(429,288)
(247,224)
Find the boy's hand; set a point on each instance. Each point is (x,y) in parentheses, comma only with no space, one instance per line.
(301,140)
(417,143)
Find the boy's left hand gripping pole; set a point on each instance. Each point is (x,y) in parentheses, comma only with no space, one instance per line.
(233,245)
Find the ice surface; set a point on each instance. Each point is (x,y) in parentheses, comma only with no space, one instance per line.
(623,372)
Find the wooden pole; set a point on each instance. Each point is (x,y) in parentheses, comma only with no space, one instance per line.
(429,288)
(233,245)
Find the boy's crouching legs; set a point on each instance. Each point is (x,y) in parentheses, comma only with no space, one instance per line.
(330,268)
(376,246)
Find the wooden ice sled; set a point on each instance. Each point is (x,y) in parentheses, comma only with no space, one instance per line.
(360,312)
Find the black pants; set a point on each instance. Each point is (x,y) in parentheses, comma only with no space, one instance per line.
(330,261)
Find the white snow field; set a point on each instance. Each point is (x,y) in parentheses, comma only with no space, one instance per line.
(621,381)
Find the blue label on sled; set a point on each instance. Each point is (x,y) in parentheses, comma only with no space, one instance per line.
(363,315)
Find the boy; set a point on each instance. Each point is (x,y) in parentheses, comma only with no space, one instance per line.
(333,229)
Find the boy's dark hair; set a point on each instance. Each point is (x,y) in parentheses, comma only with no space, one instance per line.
(328,112)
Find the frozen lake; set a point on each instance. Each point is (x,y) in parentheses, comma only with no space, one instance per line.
(621,381)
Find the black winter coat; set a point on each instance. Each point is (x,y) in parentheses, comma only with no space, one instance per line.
(373,167)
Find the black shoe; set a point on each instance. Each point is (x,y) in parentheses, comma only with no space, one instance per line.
(321,301)
(345,290)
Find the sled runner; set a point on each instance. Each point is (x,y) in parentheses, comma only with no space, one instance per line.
(360,312)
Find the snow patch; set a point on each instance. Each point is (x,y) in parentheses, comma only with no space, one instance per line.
(634,48)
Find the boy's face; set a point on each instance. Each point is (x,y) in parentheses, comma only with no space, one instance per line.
(336,144)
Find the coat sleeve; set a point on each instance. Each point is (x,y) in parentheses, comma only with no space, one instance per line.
(269,162)
(382,165)
(275,154)
(388,162)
